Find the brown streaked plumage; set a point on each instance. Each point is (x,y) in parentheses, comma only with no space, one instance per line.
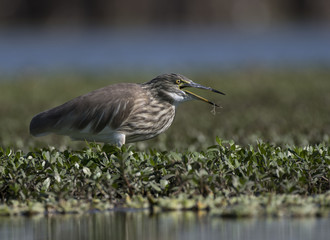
(119,113)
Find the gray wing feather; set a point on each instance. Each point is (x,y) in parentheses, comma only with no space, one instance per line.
(108,106)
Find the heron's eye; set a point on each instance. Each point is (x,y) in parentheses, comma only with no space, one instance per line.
(178,81)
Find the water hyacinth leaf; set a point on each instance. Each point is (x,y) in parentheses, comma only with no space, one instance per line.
(155,187)
(77,165)
(46,155)
(175,156)
(87,171)
(45,184)
(97,175)
(57,177)
(202,173)
(153,161)
(218,140)
(163,183)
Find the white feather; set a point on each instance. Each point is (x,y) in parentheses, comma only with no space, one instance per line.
(177,98)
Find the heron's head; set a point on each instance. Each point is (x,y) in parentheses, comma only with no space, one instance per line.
(173,86)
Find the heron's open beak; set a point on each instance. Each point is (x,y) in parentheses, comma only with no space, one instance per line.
(194,95)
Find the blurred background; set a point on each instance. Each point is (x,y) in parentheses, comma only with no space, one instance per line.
(160,36)
(271,57)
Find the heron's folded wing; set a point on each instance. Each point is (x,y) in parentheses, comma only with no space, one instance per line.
(109,106)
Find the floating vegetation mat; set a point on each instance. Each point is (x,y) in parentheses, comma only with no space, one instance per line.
(226,179)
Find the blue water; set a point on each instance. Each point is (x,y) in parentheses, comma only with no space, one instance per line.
(161,49)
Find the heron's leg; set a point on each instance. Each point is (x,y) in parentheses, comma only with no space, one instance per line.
(120,139)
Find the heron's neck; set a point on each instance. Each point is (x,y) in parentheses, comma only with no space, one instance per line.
(158,94)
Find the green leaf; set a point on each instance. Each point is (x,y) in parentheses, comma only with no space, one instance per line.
(163,183)
(45,184)
(87,171)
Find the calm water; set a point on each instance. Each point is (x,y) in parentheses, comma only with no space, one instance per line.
(161,49)
(139,225)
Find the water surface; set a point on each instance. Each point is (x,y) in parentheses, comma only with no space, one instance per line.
(172,225)
(161,49)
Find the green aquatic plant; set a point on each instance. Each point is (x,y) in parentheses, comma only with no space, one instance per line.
(109,172)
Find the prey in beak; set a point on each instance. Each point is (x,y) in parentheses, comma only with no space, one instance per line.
(186,84)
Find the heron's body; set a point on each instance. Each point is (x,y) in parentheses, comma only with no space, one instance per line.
(117,114)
